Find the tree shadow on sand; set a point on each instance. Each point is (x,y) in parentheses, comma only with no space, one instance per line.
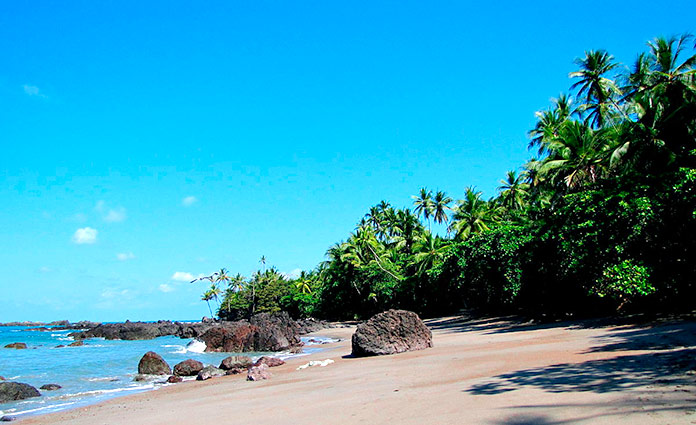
(599,376)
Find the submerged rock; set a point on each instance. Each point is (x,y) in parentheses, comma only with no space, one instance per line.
(76,344)
(17,345)
(257,373)
(50,387)
(153,364)
(391,332)
(188,367)
(209,372)
(11,391)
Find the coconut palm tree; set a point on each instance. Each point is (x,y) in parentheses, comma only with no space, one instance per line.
(423,203)
(441,204)
(514,191)
(428,250)
(472,215)
(597,89)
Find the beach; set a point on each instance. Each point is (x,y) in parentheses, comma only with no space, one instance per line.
(480,371)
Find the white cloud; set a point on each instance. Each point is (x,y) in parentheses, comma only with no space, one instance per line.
(85,235)
(110,215)
(124,256)
(293,274)
(182,277)
(188,201)
(30,90)
(166,288)
(110,293)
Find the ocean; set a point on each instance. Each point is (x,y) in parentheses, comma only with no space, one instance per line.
(96,371)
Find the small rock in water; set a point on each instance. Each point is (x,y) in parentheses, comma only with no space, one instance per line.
(76,344)
(174,379)
(17,345)
(11,391)
(269,361)
(50,387)
(257,373)
(153,364)
(60,346)
(188,367)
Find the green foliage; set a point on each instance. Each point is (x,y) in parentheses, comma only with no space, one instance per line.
(624,280)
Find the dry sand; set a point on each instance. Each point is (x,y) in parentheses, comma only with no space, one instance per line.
(491,371)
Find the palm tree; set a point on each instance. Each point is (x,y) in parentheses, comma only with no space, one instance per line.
(423,204)
(304,282)
(428,250)
(440,207)
(263,262)
(207,296)
(514,191)
(598,90)
(549,123)
(472,215)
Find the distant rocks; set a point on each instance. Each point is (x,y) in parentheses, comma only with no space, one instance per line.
(17,345)
(258,373)
(391,332)
(188,367)
(76,344)
(50,387)
(62,325)
(209,372)
(153,364)
(312,325)
(12,391)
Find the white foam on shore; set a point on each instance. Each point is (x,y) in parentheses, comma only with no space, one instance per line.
(196,346)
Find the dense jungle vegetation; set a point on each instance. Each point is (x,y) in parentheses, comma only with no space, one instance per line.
(602,218)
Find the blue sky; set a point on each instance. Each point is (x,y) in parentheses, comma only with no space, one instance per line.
(147,142)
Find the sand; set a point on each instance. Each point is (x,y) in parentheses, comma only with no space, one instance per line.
(490,371)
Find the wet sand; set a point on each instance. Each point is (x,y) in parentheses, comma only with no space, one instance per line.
(485,371)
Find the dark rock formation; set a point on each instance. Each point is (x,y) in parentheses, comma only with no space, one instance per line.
(17,345)
(257,373)
(188,367)
(7,418)
(264,332)
(174,379)
(76,344)
(11,391)
(153,364)
(391,332)
(50,387)
(143,330)
(312,325)
(269,361)
(209,372)
(236,362)
(60,346)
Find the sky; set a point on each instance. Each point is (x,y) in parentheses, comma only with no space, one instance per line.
(147,143)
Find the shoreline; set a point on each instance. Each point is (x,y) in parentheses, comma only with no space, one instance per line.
(487,371)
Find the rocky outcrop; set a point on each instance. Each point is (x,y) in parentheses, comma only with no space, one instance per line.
(269,361)
(188,367)
(236,362)
(11,391)
(143,330)
(174,379)
(50,387)
(312,325)
(391,332)
(17,345)
(209,372)
(264,332)
(257,373)
(153,364)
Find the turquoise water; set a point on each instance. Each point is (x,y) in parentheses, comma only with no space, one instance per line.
(98,370)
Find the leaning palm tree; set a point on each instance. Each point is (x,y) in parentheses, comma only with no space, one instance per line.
(207,297)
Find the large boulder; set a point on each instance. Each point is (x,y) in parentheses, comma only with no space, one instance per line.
(391,332)
(17,345)
(153,364)
(264,332)
(11,391)
(188,367)
(236,362)
(209,372)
